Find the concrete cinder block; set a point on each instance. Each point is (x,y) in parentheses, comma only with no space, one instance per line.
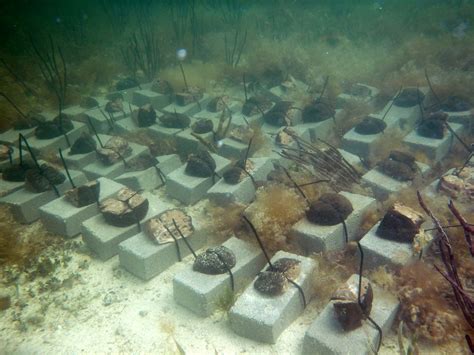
(75,112)
(233,149)
(145,259)
(383,185)
(104,239)
(367,145)
(357,94)
(244,191)
(379,251)
(168,163)
(127,94)
(408,115)
(264,318)
(42,145)
(190,189)
(223,193)
(157,100)
(352,159)
(316,238)
(97,169)
(150,179)
(101,119)
(286,92)
(61,217)
(326,336)
(434,149)
(189,109)
(160,133)
(79,161)
(7,187)
(11,136)
(147,179)
(188,144)
(239,119)
(201,293)
(466,118)
(25,204)
(322,129)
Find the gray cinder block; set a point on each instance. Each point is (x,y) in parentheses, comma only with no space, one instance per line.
(232,149)
(145,259)
(163,133)
(244,191)
(294,87)
(367,145)
(239,119)
(466,118)
(326,336)
(187,143)
(352,159)
(104,239)
(11,136)
(316,238)
(201,293)
(75,112)
(61,217)
(42,145)
(264,318)
(157,100)
(410,115)
(434,149)
(345,98)
(379,251)
(189,109)
(7,187)
(101,120)
(25,204)
(383,185)
(96,169)
(321,129)
(190,189)
(149,179)
(79,161)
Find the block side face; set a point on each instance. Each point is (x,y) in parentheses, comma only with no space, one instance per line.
(145,259)
(203,293)
(264,318)
(325,335)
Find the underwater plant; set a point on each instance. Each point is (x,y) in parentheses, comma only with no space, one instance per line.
(464,300)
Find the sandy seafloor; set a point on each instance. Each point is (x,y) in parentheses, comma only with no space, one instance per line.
(105,309)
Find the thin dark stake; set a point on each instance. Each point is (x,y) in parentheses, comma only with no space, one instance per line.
(457,137)
(391,103)
(303,298)
(21,138)
(361,265)
(10,158)
(184,239)
(431,87)
(245,87)
(95,132)
(324,87)
(259,242)
(137,220)
(66,168)
(107,119)
(231,275)
(17,109)
(184,76)
(178,251)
